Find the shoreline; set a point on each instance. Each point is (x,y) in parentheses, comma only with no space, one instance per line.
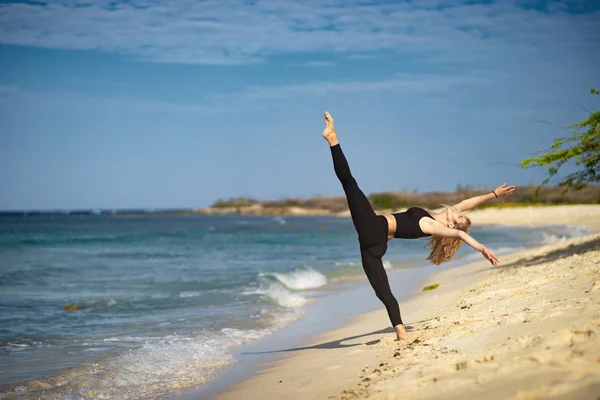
(367,362)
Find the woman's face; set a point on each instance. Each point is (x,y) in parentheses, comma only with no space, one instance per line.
(458,219)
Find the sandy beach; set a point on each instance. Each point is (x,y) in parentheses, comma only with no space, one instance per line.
(527,329)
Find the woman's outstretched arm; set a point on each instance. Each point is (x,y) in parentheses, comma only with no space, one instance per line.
(436,229)
(473,202)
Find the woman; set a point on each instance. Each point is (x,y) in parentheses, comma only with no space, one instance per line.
(447,228)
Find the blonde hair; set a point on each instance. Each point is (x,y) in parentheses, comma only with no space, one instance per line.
(443,249)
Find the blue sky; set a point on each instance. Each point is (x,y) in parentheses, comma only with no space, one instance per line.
(164,104)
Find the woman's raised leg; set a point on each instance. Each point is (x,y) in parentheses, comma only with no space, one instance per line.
(370,228)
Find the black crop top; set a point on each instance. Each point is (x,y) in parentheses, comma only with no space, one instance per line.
(407,223)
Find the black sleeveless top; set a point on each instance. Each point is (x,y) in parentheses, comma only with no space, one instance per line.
(407,223)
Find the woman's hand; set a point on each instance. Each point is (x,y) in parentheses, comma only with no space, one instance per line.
(489,256)
(504,190)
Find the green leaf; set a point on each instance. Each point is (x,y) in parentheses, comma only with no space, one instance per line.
(583,149)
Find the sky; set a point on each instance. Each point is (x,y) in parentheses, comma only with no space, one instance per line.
(164,104)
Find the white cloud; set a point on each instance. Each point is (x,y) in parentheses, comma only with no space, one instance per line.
(237,31)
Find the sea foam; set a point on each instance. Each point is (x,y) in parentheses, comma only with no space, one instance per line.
(158,366)
(279,294)
(282,287)
(300,279)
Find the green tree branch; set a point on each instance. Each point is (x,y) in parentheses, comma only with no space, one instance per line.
(583,146)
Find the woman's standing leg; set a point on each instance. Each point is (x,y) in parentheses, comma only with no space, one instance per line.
(373,266)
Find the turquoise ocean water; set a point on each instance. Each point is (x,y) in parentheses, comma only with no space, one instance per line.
(161,299)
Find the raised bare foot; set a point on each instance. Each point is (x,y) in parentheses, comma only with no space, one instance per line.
(401,332)
(329,131)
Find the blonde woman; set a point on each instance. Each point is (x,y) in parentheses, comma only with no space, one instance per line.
(448,228)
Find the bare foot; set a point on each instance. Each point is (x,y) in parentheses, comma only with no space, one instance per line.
(329,131)
(401,332)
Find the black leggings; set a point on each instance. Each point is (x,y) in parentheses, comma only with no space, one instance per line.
(372,235)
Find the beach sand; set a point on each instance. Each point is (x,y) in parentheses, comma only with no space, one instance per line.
(527,329)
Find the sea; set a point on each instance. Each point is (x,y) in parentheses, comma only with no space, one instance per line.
(141,305)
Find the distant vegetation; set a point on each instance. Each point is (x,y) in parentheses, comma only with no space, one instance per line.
(523,196)
(235,202)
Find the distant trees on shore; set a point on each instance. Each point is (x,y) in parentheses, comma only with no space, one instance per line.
(526,195)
